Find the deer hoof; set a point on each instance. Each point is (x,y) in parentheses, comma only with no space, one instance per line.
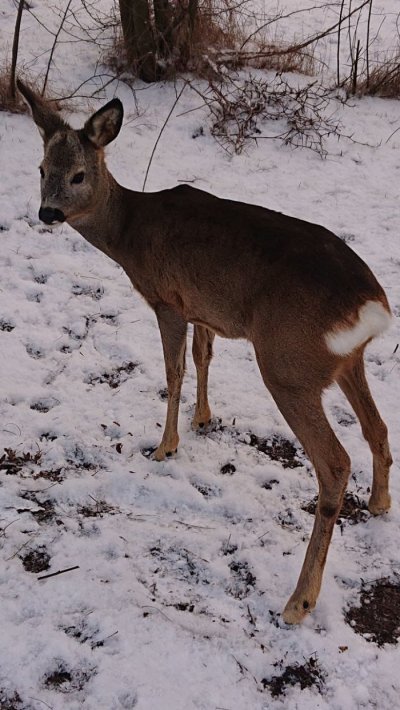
(379,505)
(201,422)
(295,612)
(161,454)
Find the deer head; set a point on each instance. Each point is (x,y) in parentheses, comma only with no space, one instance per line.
(72,171)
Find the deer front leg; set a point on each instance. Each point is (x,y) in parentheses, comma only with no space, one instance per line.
(173,335)
(202,354)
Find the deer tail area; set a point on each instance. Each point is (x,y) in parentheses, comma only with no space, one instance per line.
(373,319)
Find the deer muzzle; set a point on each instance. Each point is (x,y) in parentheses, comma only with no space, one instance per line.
(49,215)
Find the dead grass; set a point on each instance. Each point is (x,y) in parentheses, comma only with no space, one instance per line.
(214,44)
(16,104)
(384,80)
(8,102)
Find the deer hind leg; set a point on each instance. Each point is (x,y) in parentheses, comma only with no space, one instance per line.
(354,385)
(305,415)
(202,353)
(173,335)
(302,408)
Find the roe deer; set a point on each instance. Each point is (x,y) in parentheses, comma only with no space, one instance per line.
(305,300)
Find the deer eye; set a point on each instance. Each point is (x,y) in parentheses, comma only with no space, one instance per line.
(78,178)
(41,172)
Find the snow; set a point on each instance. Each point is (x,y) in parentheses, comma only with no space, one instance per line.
(164,612)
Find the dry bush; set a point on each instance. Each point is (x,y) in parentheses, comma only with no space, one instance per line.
(211,45)
(8,102)
(220,35)
(384,80)
(17,104)
(239,108)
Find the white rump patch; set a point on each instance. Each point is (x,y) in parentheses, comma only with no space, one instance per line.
(373,319)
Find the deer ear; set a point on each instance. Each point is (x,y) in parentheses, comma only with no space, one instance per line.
(46,120)
(105,124)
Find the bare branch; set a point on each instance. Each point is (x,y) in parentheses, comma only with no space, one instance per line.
(160,134)
(56,36)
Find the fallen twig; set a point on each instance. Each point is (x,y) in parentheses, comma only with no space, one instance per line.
(60,571)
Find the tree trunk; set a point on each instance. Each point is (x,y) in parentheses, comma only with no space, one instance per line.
(15,49)
(138,37)
(163,22)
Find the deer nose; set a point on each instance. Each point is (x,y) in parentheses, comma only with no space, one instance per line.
(48,215)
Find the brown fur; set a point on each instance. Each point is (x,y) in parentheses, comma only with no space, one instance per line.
(239,271)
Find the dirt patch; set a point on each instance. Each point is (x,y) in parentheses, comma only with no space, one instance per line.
(41,278)
(206,490)
(6,325)
(183,606)
(354,510)
(278,449)
(44,405)
(34,351)
(268,485)
(244,579)
(36,560)
(306,675)
(113,378)
(84,633)
(183,564)
(109,318)
(12,701)
(97,509)
(45,515)
(54,474)
(214,426)
(12,463)
(84,290)
(228,469)
(287,519)
(48,436)
(376,617)
(228,548)
(79,458)
(57,678)
(65,680)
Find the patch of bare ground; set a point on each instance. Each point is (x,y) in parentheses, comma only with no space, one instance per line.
(6,325)
(66,680)
(243,579)
(354,510)
(12,463)
(37,560)
(228,469)
(306,675)
(376,616)
(12,701)
(278,449)
(113,378)
(46,513)
(97,509)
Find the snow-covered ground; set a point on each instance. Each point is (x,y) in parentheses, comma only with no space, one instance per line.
(183,566)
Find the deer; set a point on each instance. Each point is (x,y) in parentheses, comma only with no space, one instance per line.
(304,299)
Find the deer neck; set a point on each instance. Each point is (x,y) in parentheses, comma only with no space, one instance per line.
(103,224)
